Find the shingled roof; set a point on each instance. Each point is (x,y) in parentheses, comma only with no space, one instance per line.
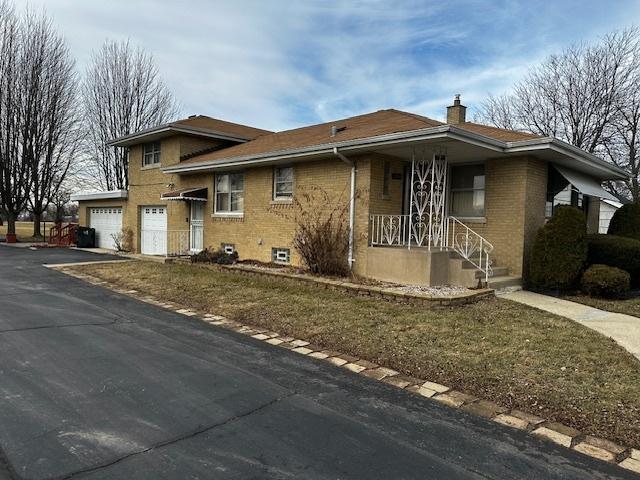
(361,126)
(209,123)
(196,125)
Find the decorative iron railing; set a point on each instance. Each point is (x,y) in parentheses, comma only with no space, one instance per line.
(389,230)
(399,231)
(470,245)
(178,243)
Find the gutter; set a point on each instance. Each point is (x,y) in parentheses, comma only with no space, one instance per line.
(352,203)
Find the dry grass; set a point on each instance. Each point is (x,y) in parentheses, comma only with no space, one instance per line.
(498,350)
(629,306)
(24,230)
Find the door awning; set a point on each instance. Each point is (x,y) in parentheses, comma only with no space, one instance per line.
(198,194)
(584,184)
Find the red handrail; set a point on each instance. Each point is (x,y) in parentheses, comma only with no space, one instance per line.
(63,235)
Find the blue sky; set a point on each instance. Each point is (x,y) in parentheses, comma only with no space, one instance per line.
(282,64)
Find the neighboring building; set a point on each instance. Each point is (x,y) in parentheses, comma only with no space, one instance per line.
(607,209)
(428,202)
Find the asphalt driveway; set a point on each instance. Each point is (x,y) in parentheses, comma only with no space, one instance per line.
(100,386)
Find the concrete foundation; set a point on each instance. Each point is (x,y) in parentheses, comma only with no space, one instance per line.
(417,266)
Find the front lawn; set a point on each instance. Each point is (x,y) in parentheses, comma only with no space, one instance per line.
(630,306)
(514,355)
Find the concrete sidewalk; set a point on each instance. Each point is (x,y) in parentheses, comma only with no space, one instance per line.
(624,329)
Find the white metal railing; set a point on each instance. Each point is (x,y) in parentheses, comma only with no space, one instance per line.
(398,231)
(178,243)
(389,230)
(470,245)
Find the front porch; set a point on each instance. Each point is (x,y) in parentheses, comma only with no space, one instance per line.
(427,243)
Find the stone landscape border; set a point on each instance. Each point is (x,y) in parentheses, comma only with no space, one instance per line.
(599,448)
(386,293)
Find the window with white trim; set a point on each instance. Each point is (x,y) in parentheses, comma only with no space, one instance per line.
(280,255)
(229,188)
(283,183)
(151,154)
(228,248)
(467,191)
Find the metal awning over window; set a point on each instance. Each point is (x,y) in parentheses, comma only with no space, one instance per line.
(198,194)
(584,184)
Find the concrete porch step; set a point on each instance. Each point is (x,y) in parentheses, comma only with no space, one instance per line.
(504,281)
(495,272)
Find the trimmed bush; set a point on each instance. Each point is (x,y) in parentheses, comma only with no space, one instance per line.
(215,256)
(626,221)
(559,251)
(614,251)
(605,282)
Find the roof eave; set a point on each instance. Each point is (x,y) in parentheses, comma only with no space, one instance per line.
(108,195)
(610,172)
(135,138)
(327,148)
(442,131)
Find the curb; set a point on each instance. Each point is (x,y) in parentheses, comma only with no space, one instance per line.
(385,293)
(568,437)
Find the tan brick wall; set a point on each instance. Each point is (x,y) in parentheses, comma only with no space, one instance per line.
(147,184)
(391,204)
(265,223)
(515,194)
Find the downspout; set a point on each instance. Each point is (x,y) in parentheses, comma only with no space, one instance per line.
(352,202)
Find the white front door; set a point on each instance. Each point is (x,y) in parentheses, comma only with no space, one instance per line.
(107,222)
(153,235)
(196,226)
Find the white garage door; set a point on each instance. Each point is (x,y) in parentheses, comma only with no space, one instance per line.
(107,221)
(153,237)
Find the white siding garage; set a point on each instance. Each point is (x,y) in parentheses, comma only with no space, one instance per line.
(107,221)
(607,209)
(153,235)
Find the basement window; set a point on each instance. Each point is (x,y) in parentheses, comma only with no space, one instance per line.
(280,255)
(151,155)
(228,248)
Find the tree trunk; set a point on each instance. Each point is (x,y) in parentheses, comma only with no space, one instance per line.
(37,217)
(11,224)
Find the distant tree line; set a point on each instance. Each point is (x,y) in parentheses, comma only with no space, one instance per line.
(55,126)
(587,95)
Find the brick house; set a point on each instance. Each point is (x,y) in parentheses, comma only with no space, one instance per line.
(428,202)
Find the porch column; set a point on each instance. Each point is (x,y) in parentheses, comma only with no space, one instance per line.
(427,209)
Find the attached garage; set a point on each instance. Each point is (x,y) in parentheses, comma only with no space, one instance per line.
(153,235)
(103,211)
(107,222)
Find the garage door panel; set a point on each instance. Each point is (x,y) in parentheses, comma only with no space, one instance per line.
(107,221)
(153,235)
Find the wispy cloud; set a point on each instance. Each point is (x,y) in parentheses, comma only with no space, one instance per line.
(280,64)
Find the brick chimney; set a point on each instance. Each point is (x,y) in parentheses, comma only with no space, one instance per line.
(456,113)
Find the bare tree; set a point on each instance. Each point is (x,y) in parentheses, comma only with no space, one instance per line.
(15,168)
(60,202)
(53,134)
(123,93)
(581,96)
